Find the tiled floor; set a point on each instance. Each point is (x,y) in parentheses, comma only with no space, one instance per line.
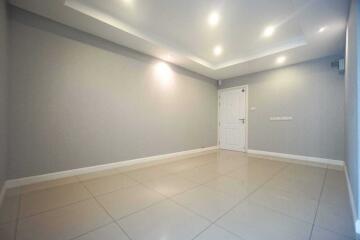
(220,195)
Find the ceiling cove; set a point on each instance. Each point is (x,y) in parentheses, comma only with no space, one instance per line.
(85,7)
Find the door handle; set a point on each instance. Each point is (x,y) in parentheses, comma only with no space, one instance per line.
(242,119)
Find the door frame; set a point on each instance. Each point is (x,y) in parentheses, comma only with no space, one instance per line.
(246,87)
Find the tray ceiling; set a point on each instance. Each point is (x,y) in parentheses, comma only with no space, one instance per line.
(247,35)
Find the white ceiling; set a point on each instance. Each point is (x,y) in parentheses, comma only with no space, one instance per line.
(178,31)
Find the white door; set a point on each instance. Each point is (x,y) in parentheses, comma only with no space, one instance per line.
(232,119)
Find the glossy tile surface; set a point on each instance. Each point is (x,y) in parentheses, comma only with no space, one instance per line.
(109,232)
(233,187)
(129,200)
(218,195)
(322,234)
(165,220)
(217,233)
(252,221)
(206,202)
(63,223)
(109,184)
(40,201)
(288,203)
(171,185)
(335,218)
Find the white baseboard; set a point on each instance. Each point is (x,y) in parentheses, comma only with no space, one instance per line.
(297,157)
(69,173)
(352,202)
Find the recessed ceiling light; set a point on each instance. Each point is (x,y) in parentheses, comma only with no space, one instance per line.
(269,31)
(322,29)
(280,59)
(214,19)
(218,50)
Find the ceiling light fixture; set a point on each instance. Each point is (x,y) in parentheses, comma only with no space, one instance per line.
(214,19)
(269,31)
(322,29)
(281,60)
(218,50)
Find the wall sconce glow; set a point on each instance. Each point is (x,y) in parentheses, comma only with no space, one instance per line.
(218,50)
(214,19)
(322,29)
(269,31)
(164,74)
(281,60)
(128,2)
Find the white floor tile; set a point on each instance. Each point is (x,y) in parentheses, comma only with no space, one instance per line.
(248,199)
(63,223)
(39,201)
(165,220)
(171,185)
(291,204)
(336,219)
(128,200)
(147,174)
(217,233)
(322,234)
(109,184)
(206,202)
(232,186)
(109,232)
(296,186)
(253,222)
(200,174)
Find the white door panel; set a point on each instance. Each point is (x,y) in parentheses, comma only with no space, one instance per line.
(232,119)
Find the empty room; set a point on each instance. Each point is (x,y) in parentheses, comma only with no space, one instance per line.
(179,120)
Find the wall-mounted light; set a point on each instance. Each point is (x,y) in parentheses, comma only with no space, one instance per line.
(164,74)
(280,60)
(214,19)
(322,29)
(218,50)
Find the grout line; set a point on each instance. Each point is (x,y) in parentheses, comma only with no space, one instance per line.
(53,209)
(93,230)
(123,230)
(112,191)
(318,204)
(241,201)
(212,222)
(140,210)
(168,197)
(101,206)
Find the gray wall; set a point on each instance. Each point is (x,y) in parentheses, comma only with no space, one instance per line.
(3,91)
(77,101)
(351,99)
(312,93)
